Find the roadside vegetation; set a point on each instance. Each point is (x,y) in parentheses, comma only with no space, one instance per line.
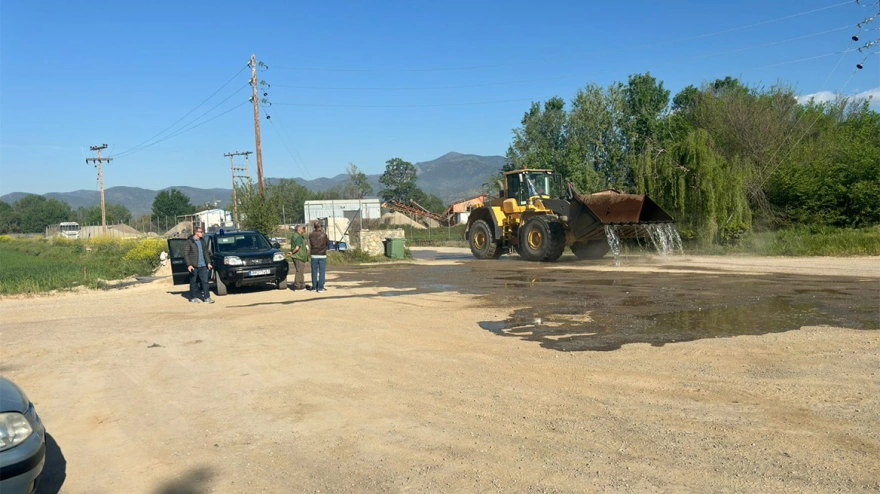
(37,265)
(740,168)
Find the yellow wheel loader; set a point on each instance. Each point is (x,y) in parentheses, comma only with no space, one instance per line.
(539,216)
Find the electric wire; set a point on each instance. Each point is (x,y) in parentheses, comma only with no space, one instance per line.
(556,78)
(300,163)
(187,114)
(633,48)
(186,127)
(516,100)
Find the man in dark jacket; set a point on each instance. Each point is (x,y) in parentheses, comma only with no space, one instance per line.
(318,243)
(198,263)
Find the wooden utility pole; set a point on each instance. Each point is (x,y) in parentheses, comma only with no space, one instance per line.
(235,176)
(99,161)
(255,83)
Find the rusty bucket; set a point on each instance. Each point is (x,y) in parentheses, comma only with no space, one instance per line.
(590,213)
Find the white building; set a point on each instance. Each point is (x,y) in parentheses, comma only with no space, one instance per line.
(214,218)
(342,208)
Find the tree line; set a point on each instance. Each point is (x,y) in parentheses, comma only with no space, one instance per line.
(723,158)
(282,201)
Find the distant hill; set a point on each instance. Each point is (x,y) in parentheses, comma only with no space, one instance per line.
(450,177)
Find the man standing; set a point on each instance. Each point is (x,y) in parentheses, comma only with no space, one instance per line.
(318,243)
(195,253)
(300,255)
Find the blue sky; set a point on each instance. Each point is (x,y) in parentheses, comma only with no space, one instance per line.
(363,82)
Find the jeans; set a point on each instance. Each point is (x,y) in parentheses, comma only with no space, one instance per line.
(199,276)
(319,272)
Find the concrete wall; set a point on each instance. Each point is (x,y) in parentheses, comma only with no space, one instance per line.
(373,241)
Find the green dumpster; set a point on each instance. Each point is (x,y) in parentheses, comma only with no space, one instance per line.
(394,248)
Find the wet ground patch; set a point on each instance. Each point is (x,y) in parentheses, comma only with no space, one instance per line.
(569,309)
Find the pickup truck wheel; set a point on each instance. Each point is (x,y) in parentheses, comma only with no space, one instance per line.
(282,285)
(221,287)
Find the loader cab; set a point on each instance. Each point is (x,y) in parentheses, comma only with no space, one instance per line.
(523,184)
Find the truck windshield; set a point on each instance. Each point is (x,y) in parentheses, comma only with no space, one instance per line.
(242,243)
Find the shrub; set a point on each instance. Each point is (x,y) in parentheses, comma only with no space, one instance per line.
(146,250)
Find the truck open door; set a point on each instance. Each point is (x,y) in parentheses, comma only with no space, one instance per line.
(178,263)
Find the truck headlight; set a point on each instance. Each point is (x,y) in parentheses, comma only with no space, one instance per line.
(232,261)
(278,257)
(14,430)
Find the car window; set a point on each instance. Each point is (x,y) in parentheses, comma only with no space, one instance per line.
(242,243)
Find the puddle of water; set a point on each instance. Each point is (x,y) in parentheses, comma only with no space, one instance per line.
(605,332)
(773,316)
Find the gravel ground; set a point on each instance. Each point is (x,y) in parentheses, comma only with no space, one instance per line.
(395,380)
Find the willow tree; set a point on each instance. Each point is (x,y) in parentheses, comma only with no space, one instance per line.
(703,191)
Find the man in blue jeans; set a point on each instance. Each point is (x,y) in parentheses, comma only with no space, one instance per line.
(195,252)
(318,243)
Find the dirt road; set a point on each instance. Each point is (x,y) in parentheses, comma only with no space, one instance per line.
(452,375)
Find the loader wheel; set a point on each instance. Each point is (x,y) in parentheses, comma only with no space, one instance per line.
(593,249)
(482,242)
(542,238)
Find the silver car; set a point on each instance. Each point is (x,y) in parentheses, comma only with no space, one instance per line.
(22,441)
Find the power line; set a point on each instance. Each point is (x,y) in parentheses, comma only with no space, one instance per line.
(556,78)
(188,113)
(438,105)
(186,127)
(492,102)
(184,130)
(522,62)
(300,162)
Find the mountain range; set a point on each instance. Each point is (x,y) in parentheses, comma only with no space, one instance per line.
(451,177)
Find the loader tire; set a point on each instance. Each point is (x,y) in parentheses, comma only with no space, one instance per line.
(542,238)
(482,241)
(594,249)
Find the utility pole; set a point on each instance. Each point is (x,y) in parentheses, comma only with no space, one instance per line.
(235,176)
(99,161)
(255,83)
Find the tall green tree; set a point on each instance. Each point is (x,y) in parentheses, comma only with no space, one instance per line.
(291,197)
(10,219)
(699,187)
(115,213)
(596,139)
(400,181)
(261,212)
(429,201)
(541,141)
(645,105)
(358,185)
(834,177)
(172,203)
(36,212)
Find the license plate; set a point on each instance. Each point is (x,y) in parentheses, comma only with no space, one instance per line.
(259,272)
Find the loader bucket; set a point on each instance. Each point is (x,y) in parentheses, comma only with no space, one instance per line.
(590,213)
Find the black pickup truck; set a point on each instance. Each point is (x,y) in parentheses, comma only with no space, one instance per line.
(239,258)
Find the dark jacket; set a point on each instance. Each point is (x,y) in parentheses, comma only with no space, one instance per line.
(318,243)
(191,251)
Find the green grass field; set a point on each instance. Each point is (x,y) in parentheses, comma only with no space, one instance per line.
(36,265)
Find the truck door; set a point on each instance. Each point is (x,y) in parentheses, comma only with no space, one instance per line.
(178,263)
